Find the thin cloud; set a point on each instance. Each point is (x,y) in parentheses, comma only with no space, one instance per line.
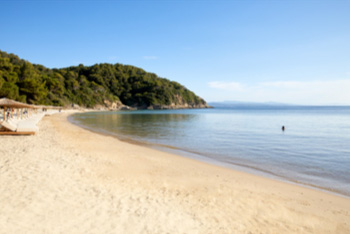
(284,84)
(298,92)
(113,58)
(150,57)
(229,86)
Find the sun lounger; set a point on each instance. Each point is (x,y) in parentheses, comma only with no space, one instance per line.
(27,126)
(9,126)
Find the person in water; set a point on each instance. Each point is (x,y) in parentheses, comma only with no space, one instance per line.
(283,128)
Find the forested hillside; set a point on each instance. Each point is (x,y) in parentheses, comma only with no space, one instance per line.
(90,86)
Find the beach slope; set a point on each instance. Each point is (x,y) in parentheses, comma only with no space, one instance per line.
(66,179)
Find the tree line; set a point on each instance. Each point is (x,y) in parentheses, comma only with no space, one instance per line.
(88,85)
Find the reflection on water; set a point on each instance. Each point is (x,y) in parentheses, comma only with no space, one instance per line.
(140,126)
(314,149)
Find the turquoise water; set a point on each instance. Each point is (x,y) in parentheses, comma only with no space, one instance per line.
(313,150)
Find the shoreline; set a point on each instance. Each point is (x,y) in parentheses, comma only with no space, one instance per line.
(198,157)
(68,179)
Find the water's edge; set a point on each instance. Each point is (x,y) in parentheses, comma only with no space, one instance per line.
(230,165)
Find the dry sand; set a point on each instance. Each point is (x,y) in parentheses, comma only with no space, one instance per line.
(68,180)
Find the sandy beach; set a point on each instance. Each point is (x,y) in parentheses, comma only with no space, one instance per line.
(66,179)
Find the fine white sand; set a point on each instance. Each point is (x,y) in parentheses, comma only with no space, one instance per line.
(66,179)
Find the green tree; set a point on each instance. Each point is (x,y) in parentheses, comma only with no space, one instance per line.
(88,86)
(9,90)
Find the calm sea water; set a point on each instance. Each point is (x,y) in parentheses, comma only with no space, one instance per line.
(313,150)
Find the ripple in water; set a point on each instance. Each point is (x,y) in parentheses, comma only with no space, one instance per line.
(313,150)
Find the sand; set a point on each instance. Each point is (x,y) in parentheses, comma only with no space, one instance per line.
(66,179)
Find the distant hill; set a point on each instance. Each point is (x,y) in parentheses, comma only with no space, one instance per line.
(100,85)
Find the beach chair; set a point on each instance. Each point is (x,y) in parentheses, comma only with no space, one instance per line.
(8,128)
(27,126)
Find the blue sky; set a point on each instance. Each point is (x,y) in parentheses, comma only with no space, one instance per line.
(282,51)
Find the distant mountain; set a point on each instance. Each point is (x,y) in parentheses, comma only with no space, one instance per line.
(101,85)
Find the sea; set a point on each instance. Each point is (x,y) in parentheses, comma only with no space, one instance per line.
(313,150)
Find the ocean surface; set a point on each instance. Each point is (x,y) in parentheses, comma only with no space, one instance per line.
(314,149)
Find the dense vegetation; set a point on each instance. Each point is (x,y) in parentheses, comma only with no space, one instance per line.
(88,86)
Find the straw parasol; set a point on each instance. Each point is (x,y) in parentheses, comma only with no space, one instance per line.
(8,103)
(49,107)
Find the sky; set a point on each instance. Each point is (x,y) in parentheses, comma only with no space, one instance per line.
(295,52)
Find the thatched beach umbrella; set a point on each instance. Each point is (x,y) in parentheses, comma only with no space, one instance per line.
(49,107)
(8,103)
